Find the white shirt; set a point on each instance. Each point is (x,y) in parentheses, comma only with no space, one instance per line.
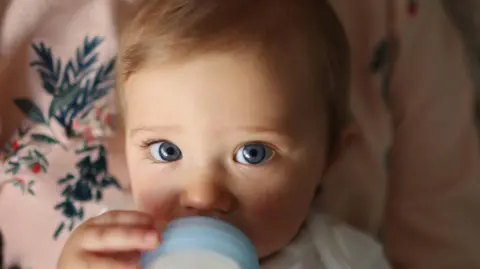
(328,244)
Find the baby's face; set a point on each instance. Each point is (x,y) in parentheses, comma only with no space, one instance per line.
(220,136)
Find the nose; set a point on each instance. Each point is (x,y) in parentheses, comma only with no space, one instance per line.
(207,195)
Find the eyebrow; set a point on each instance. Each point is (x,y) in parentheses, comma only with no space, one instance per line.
(260,129)
(176,128)
(155,128)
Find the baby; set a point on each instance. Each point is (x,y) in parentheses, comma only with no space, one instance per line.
(231,109)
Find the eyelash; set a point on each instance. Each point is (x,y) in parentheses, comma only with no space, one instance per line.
(148,142)
(145,145)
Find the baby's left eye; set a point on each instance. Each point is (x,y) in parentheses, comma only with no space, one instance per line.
(253,154)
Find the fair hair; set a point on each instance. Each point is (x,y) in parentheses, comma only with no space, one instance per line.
(170,30)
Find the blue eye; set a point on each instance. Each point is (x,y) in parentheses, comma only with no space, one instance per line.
(165,151)
(253,153)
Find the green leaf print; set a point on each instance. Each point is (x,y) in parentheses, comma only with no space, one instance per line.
(41,138)
(30,110)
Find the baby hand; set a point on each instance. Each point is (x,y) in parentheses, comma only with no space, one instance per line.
(113,240)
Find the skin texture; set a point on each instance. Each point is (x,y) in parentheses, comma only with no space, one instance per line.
(210,106)
(112,240)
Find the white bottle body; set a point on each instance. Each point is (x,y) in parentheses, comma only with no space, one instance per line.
(193,259)
(201,243)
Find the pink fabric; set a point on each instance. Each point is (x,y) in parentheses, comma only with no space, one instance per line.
(434,199)
(28,221)
(425,125)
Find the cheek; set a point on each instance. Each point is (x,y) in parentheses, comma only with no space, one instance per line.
(291,193)
(159,203)
(287,206)
(275,216)
(276,221)
(157,199)
(152,191)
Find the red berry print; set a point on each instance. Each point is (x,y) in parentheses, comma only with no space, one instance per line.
(36,168)
(75,125)
(88,134)
(20,180)
(15,145)
(412,8)
(108,119)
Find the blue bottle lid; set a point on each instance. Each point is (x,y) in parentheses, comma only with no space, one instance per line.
(205,233)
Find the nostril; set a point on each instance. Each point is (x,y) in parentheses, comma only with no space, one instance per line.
(207,197)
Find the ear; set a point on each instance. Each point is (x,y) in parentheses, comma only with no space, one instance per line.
(354,182)
(348,136)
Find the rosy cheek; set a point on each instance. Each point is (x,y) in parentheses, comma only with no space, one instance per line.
(264,207)
(159,202)
(144,201)
(270,223)
(285,210)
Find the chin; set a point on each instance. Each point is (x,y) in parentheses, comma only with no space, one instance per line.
(265,251)
(269,254)
(276,243)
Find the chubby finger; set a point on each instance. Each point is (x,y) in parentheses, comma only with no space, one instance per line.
(106,262)
(118,238)
(127,257)
(123,217)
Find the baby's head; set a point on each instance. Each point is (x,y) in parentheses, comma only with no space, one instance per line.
(232,109)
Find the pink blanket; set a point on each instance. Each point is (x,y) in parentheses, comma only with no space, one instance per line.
(411,173)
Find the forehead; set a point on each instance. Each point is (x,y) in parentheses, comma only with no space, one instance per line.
(218,90)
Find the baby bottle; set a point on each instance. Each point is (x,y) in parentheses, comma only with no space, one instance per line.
(201,243)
